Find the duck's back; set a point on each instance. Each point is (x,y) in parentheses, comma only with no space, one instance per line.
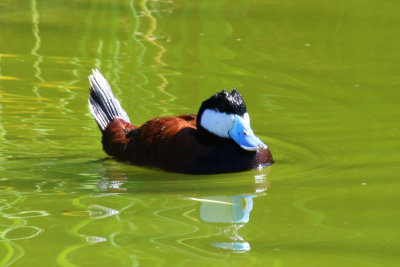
(164,143)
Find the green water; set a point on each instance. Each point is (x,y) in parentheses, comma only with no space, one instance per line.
(321,82)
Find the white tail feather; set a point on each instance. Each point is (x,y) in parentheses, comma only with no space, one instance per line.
(102,102)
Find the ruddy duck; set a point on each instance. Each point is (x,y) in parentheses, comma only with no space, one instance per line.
(219,139)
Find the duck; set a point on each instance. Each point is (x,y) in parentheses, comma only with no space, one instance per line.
(218,139)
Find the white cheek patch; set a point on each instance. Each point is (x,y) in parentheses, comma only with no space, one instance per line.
(218,123)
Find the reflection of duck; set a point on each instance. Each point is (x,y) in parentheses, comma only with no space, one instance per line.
(226,209)
(234,211)
(230,213)
(220,141)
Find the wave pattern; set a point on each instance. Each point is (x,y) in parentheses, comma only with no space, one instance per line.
(320,79)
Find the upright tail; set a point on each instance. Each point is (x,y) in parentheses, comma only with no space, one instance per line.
(102,102)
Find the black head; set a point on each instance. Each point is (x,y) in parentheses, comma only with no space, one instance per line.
(224,102)
(222,106)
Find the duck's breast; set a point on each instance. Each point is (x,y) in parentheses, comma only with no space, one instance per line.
(227,157)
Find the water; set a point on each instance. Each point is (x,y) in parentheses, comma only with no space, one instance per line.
(320,79)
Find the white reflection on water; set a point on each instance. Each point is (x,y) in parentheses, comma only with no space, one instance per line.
(226,209)
(36,47)
(232,212)
(237,214)
(100,212)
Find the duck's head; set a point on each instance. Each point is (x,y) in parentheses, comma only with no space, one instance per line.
(225,115)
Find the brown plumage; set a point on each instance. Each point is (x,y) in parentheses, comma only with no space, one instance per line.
(177,144)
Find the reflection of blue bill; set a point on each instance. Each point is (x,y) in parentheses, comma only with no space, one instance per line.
(237,246)
(226,209)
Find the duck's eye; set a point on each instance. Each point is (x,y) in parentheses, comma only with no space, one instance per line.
(245,133)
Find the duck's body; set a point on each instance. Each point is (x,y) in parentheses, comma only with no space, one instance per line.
(176,144)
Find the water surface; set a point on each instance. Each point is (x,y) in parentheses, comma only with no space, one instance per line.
(320,79)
